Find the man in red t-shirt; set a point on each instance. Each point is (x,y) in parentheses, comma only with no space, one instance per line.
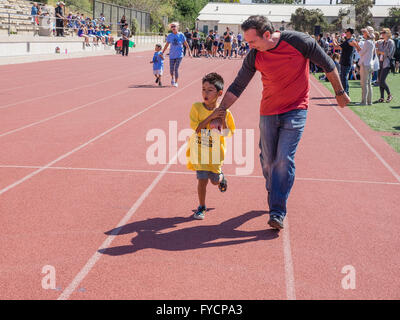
(282,58)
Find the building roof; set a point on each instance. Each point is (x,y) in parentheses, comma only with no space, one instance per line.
(215,11)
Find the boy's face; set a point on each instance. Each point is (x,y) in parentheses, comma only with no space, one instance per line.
(158,48)
(210,93)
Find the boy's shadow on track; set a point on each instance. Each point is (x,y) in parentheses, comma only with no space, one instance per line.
(149,234)
(148,86)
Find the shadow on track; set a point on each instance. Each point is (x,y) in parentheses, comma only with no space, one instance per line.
(148,86)
(149,234)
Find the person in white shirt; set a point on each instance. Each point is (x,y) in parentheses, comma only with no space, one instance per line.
(366,63)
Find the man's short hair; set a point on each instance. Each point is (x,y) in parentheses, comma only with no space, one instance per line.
(259,23)
(215,79)
(351,30)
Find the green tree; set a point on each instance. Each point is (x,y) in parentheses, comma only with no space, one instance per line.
(393,21)
(363,13)
(305,20)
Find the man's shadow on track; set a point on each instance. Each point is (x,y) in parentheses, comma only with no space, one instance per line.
(149,234)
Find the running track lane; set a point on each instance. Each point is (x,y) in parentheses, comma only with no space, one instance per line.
(228,255)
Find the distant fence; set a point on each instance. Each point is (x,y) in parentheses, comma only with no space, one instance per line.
(114,13)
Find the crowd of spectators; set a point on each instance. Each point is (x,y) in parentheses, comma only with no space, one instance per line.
(213,45)
(368,57)
(83,26)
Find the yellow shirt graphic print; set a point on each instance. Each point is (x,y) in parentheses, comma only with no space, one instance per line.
(206,150)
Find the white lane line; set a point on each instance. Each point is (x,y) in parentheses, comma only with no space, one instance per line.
(289,273)
(27,177)
(63,113)
(97,255)
(72,76)
(371,148)
(92,84)
(67,111)
(192,173)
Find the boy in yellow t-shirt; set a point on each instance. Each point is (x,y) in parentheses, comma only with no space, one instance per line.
(206,150)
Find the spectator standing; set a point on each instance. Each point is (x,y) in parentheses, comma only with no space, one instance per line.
(60,19)
(122,22)
(228,35)
(239,39)
(125,34)
(366,64)
(385,51)
(188,36)
(196,43)
(34,12)
(396,41)
(346,58)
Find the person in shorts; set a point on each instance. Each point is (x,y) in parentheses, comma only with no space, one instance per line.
(158,64)
(206,149)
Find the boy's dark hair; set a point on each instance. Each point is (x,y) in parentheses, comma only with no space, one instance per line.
(260,23)
(158,45)
(215,79)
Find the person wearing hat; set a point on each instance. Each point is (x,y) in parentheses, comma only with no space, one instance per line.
(60,19)
(346,58)
(366,63)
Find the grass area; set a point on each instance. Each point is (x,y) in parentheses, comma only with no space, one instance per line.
(380,116)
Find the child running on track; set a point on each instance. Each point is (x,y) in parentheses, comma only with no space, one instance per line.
(158,64)
(206,150)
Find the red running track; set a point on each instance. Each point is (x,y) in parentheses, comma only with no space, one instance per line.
(77,193)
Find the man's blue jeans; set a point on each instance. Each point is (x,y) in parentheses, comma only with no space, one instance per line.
(344,77)
(279,136)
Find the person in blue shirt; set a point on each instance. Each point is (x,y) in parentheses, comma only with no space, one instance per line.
(177,40)
(158,64)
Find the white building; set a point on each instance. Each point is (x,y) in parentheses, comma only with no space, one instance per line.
(218,16)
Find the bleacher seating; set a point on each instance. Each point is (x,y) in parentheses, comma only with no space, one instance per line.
(16,13)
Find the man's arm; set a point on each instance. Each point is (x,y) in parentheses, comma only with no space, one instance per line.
(241,81)
(341,97)
(311,50)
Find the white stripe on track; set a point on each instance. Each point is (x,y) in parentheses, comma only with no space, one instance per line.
(289,273)
(92,84)
(95,138)
(191,173)
(371,148)
(97,255)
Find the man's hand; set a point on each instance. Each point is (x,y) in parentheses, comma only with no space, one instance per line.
(343,100)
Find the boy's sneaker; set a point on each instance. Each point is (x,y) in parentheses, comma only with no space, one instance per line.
(172,83)
(176,84)
(159,83)
(276,222)
(200,213)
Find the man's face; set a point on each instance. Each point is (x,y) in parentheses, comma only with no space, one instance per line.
(255,41)
(348,34)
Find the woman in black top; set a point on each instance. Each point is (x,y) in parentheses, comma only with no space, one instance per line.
(122,22)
